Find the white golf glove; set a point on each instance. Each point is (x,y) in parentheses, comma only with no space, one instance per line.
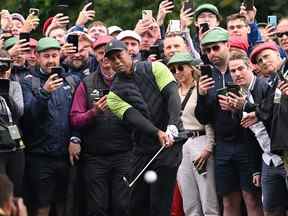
(172,131)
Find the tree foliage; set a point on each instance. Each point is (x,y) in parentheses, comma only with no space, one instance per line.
(125,13)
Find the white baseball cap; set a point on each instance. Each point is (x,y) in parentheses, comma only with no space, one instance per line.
(113,29)
(129,33)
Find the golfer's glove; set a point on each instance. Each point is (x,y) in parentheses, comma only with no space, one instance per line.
(172,131)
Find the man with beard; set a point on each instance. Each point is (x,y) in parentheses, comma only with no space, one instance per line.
(233,164)
(79,62)
(47,102)
(105,146)
(144,95)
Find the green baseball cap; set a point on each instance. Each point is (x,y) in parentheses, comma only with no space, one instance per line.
(206,7)
(9,43)
(183,58)
(214,35)
(47,43)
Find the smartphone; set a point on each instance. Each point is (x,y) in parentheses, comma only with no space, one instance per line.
(73,39)
(235,89)
(202,170)
(188,4)
(272,20)
(87,2)
(222,91)
(204,27)
(147,14)
(34,11)
(97,94)
(249,4)
(174,26)
(206,70)
(155,50)
(105,91)
(24,35)
(4,86)
(57,70)
(61,8)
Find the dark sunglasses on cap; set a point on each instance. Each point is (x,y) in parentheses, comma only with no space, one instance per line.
(177,67)
(215,48)
(281,34)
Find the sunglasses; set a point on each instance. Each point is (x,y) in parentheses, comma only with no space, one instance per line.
(281,34)
(178,68)
(215,48)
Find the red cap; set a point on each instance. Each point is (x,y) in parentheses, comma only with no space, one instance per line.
(239,43)
(102,40)
(46,25)
(260,47)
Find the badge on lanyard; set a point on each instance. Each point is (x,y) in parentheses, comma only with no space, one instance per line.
(14,132)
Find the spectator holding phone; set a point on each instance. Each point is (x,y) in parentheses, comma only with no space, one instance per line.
(233,171)
(12,160)
(258,92)
(78,63)
(106,142)
(197,189)
(47,102)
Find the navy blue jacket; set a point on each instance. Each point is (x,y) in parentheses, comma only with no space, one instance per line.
(46,117)
(208,111)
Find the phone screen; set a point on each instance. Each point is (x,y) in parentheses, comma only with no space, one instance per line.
(206,70)
(272,20)
(34,12)
(204,27)
(188,5)
(202,170)
(24,35)
(235,89)
(56,70)
(222,91)
(147,14)
(174,26)
(73,39)
(155,50)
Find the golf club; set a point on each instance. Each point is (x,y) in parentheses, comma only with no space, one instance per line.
(143,170)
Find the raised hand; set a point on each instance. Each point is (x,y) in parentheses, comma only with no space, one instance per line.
(85,15)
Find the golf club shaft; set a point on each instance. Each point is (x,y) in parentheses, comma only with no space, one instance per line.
(143,170)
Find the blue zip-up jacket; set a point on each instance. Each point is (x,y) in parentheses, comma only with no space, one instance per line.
(46,117)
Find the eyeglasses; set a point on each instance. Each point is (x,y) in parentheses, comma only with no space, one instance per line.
(215,48)
(281,34)
(236,27)
(179,68)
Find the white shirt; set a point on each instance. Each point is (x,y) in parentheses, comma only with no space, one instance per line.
(260,132)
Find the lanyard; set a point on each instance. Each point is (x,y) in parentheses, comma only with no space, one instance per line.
(3,102)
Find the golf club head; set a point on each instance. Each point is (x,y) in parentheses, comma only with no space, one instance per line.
(126,181)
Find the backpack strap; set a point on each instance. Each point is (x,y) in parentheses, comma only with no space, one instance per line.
(184,102)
